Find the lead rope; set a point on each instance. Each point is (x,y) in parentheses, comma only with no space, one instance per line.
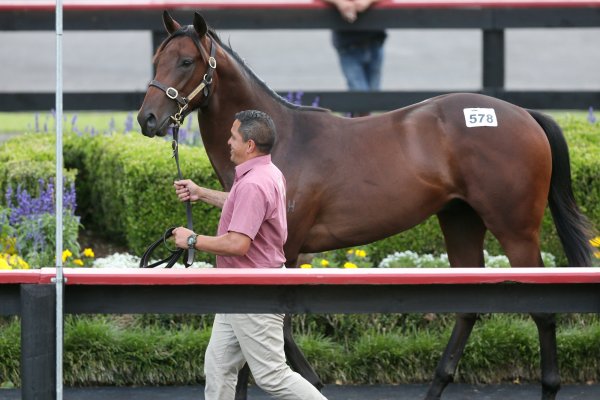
(188,204)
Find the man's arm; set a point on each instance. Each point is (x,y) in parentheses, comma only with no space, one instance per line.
(188,190)
(229,244)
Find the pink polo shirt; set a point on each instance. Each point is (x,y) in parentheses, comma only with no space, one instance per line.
(255,207)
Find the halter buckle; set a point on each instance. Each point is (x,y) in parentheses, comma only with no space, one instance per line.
(172,93)
(212,62)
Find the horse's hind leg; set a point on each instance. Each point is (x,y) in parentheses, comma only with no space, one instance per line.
(546,325)
(295,356)
(463,232)
(524,251)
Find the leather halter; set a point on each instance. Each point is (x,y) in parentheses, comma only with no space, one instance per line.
(204,87)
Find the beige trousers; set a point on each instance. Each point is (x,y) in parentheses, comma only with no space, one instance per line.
(258,340)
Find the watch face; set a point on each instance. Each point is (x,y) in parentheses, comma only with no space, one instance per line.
(191,241)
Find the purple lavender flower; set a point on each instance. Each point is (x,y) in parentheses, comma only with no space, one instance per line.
(37,122)
(316,101)
(591,117)
(111,125)
(290,97)
(298,100)
(70,199)
(9,196)
(129,123)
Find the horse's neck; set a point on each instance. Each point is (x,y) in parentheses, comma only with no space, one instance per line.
(236,92)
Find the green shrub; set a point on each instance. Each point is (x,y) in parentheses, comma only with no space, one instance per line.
(99,353)
(27,158)
(119,351)
(10,353)
(129,187)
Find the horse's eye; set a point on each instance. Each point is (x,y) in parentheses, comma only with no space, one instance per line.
(187,62)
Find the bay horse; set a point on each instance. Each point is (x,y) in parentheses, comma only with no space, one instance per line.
(476,162)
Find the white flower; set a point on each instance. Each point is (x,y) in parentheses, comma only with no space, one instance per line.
(119,260)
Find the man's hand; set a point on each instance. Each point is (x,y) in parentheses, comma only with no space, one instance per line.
(346,8)
(187,190)
(181,236)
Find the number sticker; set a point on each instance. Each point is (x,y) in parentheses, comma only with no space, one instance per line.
(480,117)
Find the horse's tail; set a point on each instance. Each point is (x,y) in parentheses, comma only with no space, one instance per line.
(574,229)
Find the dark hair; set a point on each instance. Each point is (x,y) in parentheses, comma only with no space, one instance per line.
(259,127)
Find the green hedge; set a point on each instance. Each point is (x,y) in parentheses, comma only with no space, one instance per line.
(25,159)
(103,350)
(127,187)
(124,187)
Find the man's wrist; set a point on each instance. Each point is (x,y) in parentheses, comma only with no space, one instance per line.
(191,241)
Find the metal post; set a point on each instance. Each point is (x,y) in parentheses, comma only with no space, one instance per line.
(38,350)
(59,202)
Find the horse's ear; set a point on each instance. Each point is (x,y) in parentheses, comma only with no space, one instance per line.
(170,24)
(200,25)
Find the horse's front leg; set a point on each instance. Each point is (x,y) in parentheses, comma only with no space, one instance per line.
(444,373)
(546,325)
(295,356)
(241,388)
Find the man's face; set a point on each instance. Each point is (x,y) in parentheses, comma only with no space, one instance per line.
(237,147)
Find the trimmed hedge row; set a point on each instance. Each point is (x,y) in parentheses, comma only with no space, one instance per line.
(125,190)
(502,348)
(26,159)
(124,187)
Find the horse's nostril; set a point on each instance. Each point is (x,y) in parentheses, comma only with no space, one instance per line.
(151,121)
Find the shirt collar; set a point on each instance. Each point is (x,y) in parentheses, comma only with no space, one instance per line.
(246,166)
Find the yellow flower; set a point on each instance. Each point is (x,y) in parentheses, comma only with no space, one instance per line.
(350,265)
(595,241)
(13,261)
(66,254)
(324,263)
(89,253)
(78,262)
(9,244)
(306,266)
(597,254)
(360,253)
(350,252)
(23,264)
(4,264)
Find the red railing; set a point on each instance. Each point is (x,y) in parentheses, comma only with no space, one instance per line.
(270,4)
(248,276)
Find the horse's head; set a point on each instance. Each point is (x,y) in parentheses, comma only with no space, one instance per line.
(185,63)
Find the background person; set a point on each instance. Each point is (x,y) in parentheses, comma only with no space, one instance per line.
(251,234)
(360,52)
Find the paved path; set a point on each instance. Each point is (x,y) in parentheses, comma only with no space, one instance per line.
(379,392)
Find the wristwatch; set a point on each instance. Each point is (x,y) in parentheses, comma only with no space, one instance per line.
(191,241)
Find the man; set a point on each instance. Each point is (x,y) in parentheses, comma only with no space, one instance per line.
(251,234)
(360,52)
